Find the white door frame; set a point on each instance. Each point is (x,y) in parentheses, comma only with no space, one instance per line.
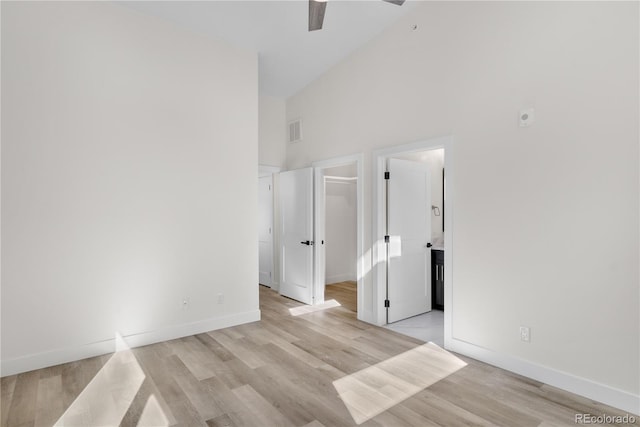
(379,258)
(264,170)
(319,215)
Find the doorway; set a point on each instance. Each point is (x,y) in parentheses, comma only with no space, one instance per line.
(302,252)
(422,186)
(340,237)
(339,228)
(427,268)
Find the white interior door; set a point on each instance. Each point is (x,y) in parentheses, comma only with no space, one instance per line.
(409,230)
(296,211)
(265,230)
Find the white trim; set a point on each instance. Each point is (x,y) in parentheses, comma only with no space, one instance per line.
(319,222)
(599,392)
(340,179)
(264,170)
(70,354)
(272,271)
(362,312)
(378,262)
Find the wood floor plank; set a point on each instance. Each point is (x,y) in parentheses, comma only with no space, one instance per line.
(403,417)
(233,407)
(23,403)
(269,338)
(221,421)
(286,370)
(334,356)
(242,348)
(48,402)
(7,385)
(156,370)
(195,392)
(490,409)
(196,357)
(136,407)
(236,374)
(215,347)
(260,406)
(77,375)
(443,412)
(284,394)
(327,409)
(344,293)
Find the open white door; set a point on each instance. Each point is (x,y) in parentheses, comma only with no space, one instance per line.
(265,230)
(296,212)
(409,230)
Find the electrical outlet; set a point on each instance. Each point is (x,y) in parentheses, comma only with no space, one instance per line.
(220,298)
(525,334)
(526,117)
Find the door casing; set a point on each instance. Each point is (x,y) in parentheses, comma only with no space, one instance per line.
(378,247)
(319,224)
(265,230)
(272,171)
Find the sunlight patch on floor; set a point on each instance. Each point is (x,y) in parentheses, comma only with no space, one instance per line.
(152,414)
(107,398)
(305,309)
(373,390)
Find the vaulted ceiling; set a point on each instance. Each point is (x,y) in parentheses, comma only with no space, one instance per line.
(289,56)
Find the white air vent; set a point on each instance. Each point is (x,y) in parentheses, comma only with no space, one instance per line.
(295,131)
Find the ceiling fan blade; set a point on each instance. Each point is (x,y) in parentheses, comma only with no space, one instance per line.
(316,14)
(398,2)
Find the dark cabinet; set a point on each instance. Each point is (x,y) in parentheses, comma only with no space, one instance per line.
(437,279)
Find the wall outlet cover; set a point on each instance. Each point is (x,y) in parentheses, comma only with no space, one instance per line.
(526,117)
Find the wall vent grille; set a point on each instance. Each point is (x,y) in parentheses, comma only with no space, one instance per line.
(295,131)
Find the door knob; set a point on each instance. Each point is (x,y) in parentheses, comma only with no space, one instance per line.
(429,245)
(307,242)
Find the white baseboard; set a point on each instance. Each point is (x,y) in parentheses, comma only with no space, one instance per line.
(581,386)
(336,278)
(70,354)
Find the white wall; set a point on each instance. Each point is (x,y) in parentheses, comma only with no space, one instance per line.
(528,245)
(129,153)
(272,131)
(340,231)
(272,152)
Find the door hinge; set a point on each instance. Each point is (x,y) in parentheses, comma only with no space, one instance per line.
(387,175)
(386,303)
(386,239)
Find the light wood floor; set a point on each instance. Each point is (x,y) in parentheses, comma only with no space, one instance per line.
(343,292)
(285,371)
